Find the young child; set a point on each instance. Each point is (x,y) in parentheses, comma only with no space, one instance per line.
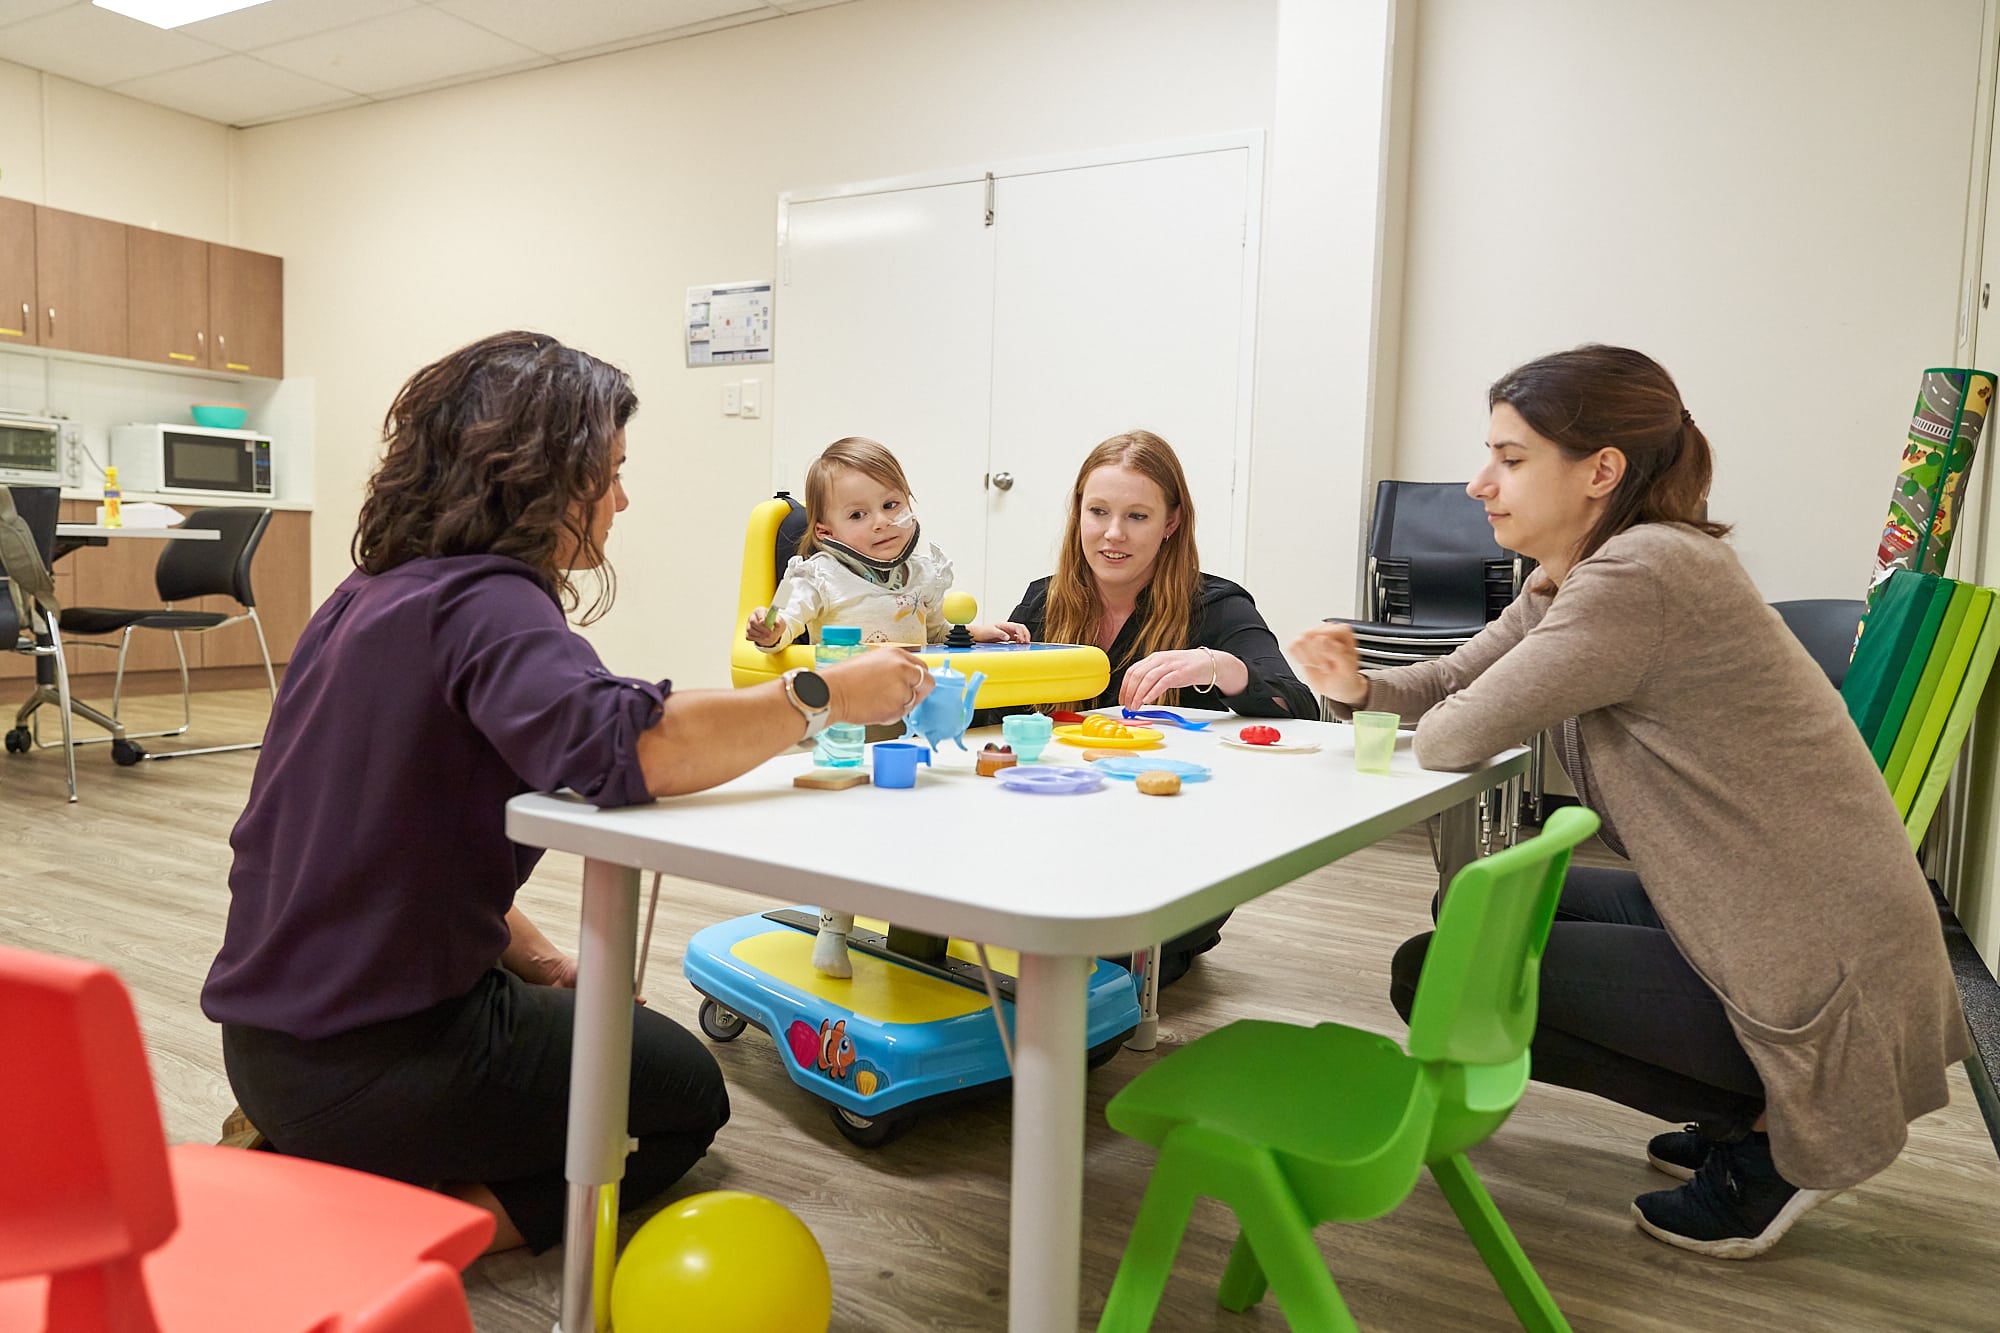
(862,562)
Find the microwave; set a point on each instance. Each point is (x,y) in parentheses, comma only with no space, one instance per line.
(191,460)
(31,450)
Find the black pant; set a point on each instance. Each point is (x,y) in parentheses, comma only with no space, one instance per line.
(476,1090)
(1622,1014)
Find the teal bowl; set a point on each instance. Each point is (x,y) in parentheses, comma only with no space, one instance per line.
(220,416)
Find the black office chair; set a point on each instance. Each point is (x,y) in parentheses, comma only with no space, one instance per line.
(1827,627)
(24,570)
(1435,578)
(1435,575)
(186,570)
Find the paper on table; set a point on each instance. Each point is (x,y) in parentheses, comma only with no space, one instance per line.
(145,514)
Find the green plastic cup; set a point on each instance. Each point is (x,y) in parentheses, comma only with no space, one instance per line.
(1374,741)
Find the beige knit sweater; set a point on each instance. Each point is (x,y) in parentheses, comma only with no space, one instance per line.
(1727,766)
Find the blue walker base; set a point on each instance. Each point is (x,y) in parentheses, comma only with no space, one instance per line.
(852,1043)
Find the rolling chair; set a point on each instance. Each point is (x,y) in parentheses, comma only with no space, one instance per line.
(30,620)
(186,570)
(103,1226)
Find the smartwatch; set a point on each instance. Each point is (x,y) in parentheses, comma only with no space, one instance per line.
(808,693)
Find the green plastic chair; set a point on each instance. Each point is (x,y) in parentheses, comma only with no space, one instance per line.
(1292,1126)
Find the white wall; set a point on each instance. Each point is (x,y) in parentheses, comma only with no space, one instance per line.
(78,148)
(1768,197)
(584,199)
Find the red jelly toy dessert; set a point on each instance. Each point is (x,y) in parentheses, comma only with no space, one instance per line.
(1258,735)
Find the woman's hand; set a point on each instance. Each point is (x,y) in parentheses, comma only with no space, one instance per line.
(882,685)
(1329,661)
(1000,631)
(764,635)
(1187,668)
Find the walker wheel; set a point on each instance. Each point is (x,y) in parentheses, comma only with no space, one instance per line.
(864,1132)
(125,753)
(720,1024)
(19,740)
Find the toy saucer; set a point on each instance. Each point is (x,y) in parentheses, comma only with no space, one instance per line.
(1142,738)
(1050,779)
(1279,747)
(1130,766)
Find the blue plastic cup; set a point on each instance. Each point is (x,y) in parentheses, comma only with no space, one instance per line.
(896,763)
(1027,734)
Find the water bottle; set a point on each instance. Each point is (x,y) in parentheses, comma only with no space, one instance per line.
(112,518)
(839,746)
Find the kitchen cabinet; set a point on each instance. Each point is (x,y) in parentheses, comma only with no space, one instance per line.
(17,273)
(80,287)
(167,298)
(246,312)
(205,306)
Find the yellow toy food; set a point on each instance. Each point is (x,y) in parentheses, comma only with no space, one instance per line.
(959,607)
(1159,783)
(1098,725)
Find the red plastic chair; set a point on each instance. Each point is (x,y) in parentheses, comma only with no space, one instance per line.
(104,1229)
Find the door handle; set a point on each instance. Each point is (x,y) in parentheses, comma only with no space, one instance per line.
(1002,481)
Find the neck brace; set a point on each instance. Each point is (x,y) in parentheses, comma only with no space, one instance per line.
(889,573)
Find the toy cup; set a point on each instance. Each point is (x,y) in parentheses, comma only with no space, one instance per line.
(896,763)
(1028,734)
(1374,741)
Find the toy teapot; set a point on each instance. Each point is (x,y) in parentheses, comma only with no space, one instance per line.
(946,711)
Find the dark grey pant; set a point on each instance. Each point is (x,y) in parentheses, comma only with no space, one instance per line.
(1622,1014)
(476,1090)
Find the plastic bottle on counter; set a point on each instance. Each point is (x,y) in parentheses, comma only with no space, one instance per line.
(112,517)
(840,745)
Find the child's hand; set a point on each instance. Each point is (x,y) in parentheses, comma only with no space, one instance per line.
(760,633)
(1004,631)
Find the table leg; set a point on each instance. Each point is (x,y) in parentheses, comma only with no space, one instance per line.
(1046,1239)
(600,1077)
(1458,840)
(1146,967)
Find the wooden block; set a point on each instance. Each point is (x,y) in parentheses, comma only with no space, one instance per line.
(833,779)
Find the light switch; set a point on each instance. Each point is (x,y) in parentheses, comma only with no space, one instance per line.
(751,390)
(732,399)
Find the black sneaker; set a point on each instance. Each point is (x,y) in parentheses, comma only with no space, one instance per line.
(1679,1152)
(1736,1206)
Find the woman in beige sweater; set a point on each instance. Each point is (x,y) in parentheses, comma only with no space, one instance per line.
(1771,969)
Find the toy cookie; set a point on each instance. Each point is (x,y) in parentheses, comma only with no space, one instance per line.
(1158,783)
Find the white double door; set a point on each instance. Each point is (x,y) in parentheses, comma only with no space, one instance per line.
(990,356)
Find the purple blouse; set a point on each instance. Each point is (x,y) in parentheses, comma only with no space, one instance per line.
(373,873)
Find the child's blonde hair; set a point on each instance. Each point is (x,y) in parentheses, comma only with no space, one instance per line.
(862,455)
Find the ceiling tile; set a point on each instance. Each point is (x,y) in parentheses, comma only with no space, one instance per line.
(406,49)
(233,90)
(13,11)
(277,21)
(98,47)
(557,29)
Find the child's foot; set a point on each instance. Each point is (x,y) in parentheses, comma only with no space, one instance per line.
(1735,1207)
(830,954)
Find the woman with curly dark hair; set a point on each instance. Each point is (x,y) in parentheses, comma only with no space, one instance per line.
(384,1004)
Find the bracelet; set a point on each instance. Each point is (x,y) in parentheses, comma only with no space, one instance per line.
(1214,673)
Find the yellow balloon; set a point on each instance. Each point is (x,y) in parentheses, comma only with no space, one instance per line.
(959,607)
(722,1262)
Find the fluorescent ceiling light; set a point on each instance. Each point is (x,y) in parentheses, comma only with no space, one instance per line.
(173,13)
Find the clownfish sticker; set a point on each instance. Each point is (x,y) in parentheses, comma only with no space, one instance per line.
(836,1052)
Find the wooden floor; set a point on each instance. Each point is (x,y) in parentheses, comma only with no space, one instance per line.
(916,1234)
